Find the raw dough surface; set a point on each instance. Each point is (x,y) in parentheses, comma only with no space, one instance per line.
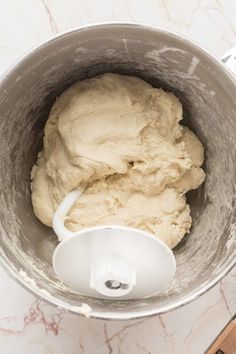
(121,138)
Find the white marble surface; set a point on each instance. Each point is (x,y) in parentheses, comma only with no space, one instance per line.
(29,325)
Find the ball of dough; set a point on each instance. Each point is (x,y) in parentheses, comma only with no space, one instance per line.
(121,138)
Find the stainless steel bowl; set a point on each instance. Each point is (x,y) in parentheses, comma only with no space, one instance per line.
(208,94)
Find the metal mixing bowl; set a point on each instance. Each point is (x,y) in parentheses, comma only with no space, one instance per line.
(208,94)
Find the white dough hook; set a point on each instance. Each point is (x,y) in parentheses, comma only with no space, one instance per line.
(110,261)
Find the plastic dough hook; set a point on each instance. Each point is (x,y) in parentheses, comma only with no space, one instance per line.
(110,261)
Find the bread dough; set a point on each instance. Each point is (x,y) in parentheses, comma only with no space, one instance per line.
(122,139)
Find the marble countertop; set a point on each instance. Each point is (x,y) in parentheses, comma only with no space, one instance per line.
(28,325)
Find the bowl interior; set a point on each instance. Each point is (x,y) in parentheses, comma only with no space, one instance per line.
(164,60)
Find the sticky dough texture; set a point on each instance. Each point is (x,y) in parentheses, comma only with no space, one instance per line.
(122,139)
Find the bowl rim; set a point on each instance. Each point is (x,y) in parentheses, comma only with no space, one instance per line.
(122,315)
